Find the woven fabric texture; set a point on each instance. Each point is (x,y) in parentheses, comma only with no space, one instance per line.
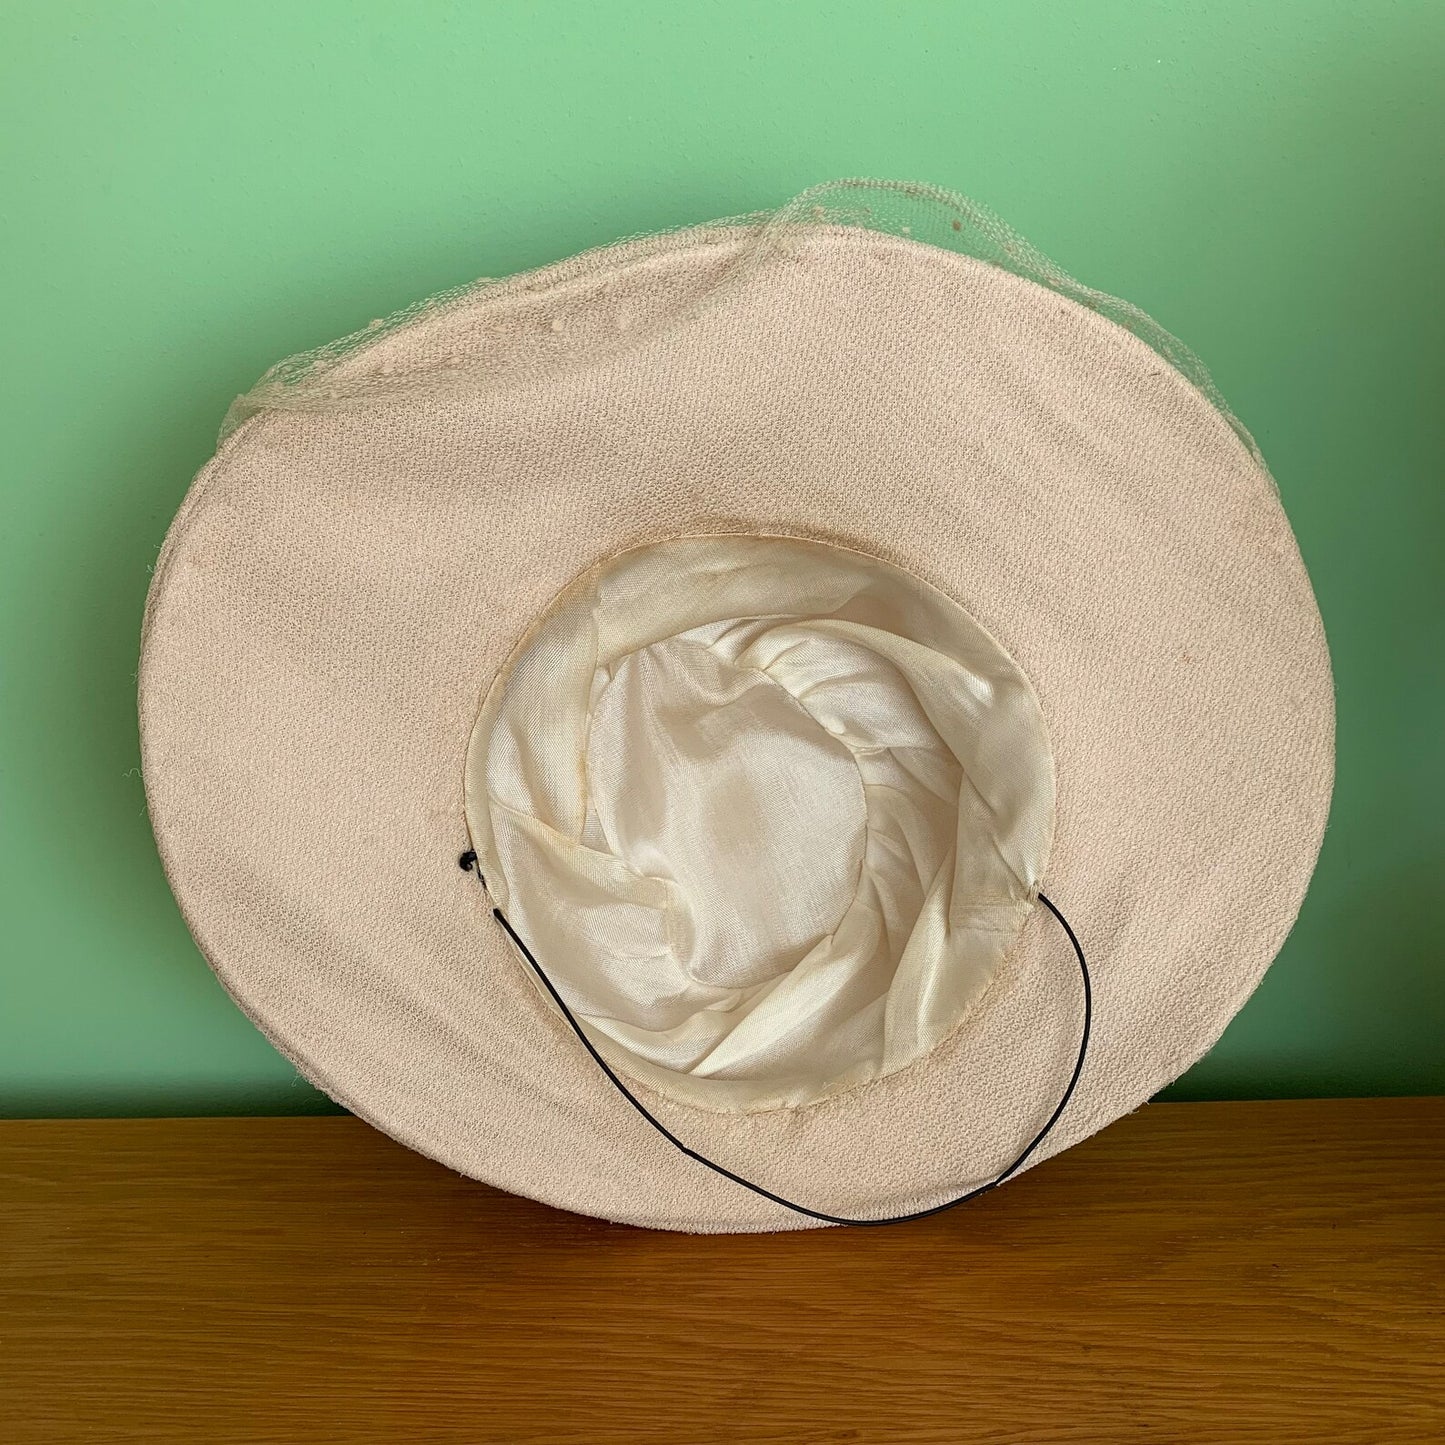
(342,584)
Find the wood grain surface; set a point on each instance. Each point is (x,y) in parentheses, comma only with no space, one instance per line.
(1258,1272)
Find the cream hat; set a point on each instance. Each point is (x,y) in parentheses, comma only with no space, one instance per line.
(771,614)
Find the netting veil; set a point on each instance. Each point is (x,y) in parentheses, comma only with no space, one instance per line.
(343,373)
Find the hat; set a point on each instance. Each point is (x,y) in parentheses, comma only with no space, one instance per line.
(815,635)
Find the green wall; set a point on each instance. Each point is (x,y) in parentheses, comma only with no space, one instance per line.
(193,190)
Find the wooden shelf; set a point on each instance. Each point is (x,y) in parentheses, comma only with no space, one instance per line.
(1245,1272)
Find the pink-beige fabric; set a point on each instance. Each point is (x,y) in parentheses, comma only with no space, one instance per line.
(343,583)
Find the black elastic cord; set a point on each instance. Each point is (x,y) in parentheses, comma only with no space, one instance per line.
(468,861)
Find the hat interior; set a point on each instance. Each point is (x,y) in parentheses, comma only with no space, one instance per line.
(770,812)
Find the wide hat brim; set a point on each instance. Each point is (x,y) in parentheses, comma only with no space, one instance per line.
(348,574)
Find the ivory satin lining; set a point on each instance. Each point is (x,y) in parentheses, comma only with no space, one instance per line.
(770,812)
